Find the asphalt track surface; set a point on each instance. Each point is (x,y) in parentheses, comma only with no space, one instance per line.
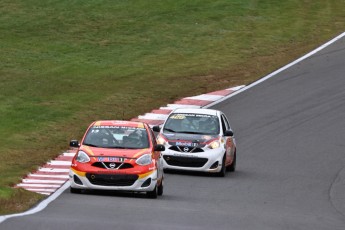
(290,131)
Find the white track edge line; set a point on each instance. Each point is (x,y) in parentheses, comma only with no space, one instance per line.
(278,71)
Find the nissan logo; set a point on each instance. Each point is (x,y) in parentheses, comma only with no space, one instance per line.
(186,149)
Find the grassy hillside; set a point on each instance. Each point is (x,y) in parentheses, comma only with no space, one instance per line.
(65,63)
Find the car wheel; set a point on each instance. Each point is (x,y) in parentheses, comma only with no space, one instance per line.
(153,194)
(160,189)
(232,167)
(75,190)
(222,171)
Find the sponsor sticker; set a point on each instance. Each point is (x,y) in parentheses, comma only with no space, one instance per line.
(110,159)
(182,155)
(189,144)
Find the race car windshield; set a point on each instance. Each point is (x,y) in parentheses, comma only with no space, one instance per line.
(192,124)
(121,137)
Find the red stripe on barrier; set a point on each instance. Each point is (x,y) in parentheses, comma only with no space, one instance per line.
(221,92)
(63,158)
(150,122)
(161,111)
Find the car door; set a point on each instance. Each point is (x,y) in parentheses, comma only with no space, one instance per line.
(156,155)
(229,141)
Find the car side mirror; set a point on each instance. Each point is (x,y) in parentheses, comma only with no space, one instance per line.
(156,128)
(74,143)
(229,133)
(159,147)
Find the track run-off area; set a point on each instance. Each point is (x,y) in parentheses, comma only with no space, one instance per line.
(290,129)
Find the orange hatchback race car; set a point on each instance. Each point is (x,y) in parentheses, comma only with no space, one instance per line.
(118,155)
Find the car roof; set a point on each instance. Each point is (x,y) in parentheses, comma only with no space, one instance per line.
(119,123)
(197,111)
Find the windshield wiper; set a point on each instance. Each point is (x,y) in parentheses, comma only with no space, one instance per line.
(170,130)
(116,147)
(92,145)
(189,132)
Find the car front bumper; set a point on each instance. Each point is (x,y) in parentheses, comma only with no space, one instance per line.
(208,161)
(122,182)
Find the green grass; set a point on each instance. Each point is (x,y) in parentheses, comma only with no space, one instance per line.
(65,63)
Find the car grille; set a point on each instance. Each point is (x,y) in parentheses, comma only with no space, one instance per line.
(184,149)
(194,162)
(111,179)
(112,165)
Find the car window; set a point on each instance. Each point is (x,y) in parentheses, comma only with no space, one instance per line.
(192,123)
(117,137)
(225,123)
(153,137)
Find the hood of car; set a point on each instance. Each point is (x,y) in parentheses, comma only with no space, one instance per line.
(184,138)
(113,152)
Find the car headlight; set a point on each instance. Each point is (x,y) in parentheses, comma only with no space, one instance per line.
(82,157)
(161,140)
(214,144)
(145,159)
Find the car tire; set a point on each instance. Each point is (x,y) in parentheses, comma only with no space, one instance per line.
(232,167)
(75,190)
(222,171)
(152,194)
(160,189)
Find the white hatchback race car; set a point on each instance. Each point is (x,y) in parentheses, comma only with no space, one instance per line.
(198,140)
